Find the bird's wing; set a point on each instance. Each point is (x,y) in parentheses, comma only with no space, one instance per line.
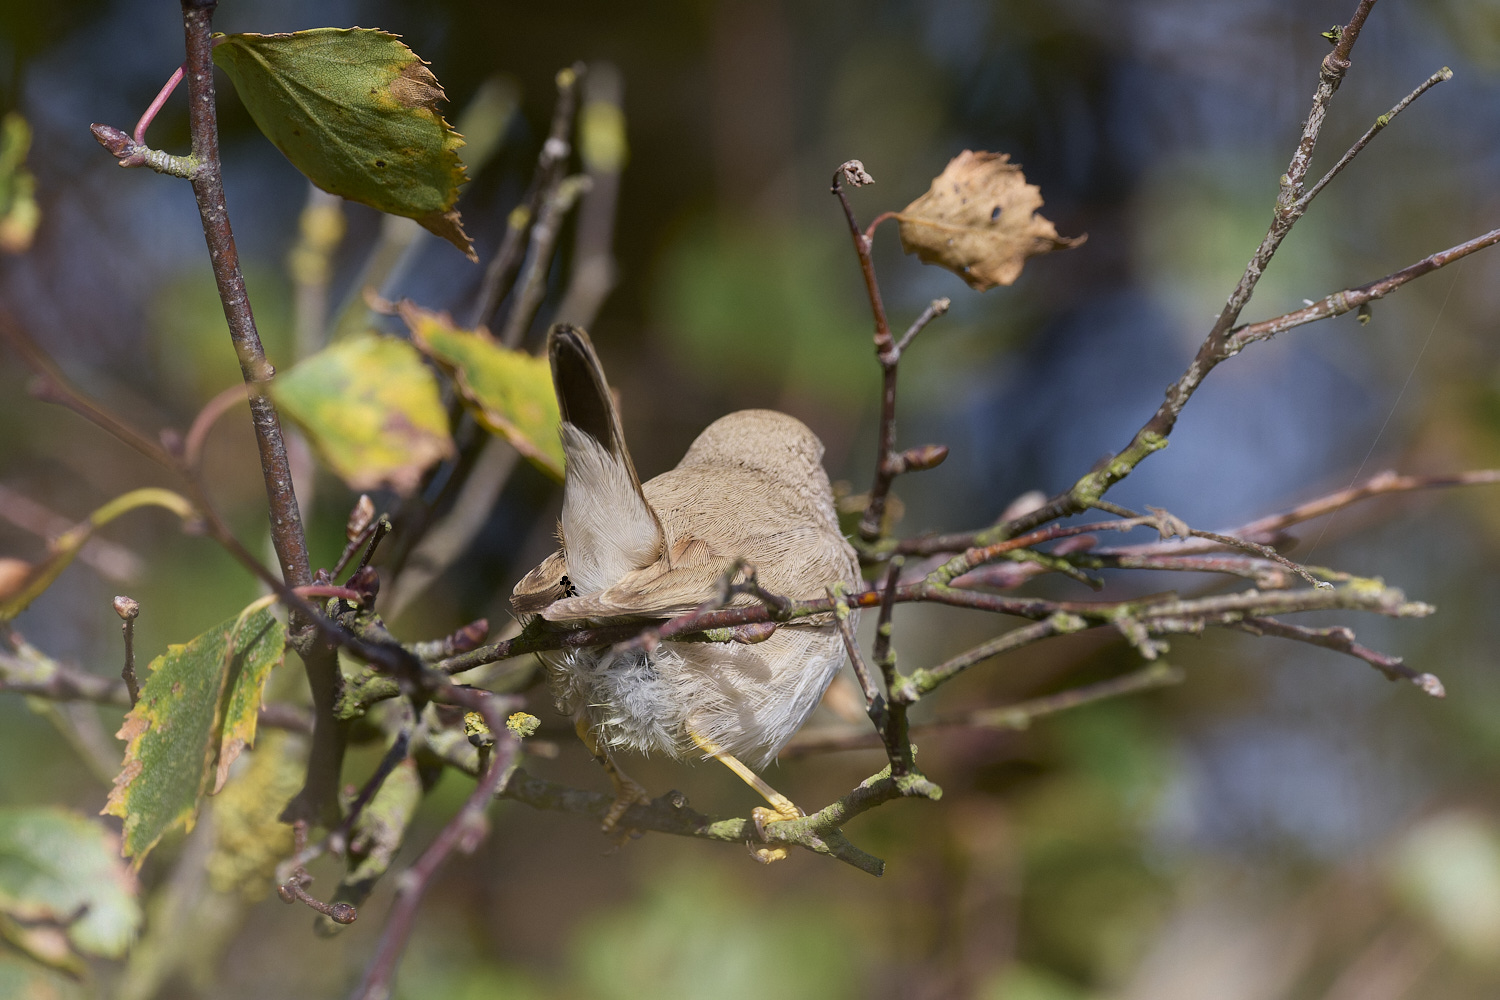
(547,583)
(662,589)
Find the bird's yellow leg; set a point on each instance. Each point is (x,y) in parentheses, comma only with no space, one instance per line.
(628,791)
(782,808)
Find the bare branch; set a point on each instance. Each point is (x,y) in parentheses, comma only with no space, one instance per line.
(1217,345)
(1352,298)
(463,832)
(549,170)
(1342,639)
(937,308)
(1380,123)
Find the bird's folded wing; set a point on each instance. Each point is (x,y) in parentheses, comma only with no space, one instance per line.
(547,583)
(693,577)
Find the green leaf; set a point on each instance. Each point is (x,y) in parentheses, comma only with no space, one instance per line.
(22,978)
(372,409)
(20,584)
(356,111)
(60,868)
(197,708)
(509,392)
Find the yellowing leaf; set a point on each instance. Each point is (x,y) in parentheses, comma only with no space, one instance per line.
(249,838)
(19,213)
(356,111)
(59,868)
(21,584)
(196,700)
(372,409)
(509,392)
(979,221)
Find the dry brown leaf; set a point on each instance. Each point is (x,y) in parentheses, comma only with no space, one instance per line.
(979,221)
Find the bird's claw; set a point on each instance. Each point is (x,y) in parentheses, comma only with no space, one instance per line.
(763,817)
(628,792)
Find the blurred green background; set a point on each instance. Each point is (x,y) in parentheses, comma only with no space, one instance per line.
(1285,824)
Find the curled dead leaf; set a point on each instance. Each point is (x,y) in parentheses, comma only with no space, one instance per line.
(979,221)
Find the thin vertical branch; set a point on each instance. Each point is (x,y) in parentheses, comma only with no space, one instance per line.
(208,186)
(129,609)
(602,146)
(549,170)
(885,352)
(318,800)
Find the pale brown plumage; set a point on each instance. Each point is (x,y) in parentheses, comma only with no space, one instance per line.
(751,488)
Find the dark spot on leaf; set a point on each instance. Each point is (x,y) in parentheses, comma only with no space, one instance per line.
(296,131)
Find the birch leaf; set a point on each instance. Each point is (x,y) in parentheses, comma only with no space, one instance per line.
(198,702)
(355,110)
(372,409)
(509,392)
(979,221)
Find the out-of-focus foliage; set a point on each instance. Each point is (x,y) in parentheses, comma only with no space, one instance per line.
(19,213)
(63,887)
(372,409)
(249,838)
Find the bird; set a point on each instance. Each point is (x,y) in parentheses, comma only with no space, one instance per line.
(750,502)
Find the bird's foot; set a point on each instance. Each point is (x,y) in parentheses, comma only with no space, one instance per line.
(763,817)
(628,792)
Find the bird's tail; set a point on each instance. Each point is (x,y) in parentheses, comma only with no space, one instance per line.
(608,527)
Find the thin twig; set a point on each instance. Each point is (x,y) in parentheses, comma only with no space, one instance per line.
(462,832)
(400,747)
(149,115)
(531,287)
(937,308)
(602,145)
(222,403)
(926,680)
(1268,528)
(1380,123)
(1218,344)
(25,670)
(1352,298)
(110,560)
(549,168)
(1341,639)
(851,646)
(128,608)
(870,523)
